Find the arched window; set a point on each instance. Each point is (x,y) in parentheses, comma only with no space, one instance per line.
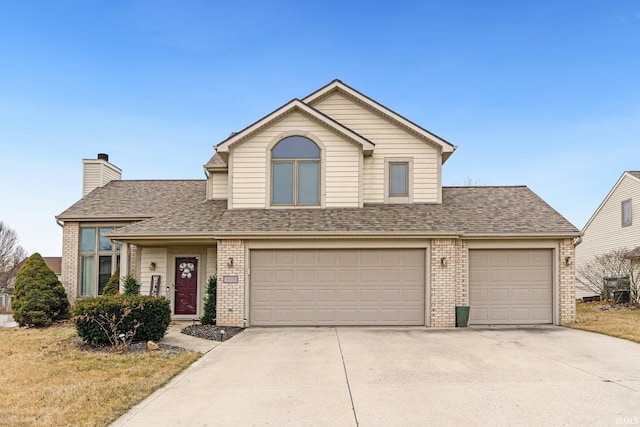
(295,172)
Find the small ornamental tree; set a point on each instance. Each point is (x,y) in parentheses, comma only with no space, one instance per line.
(113,285)
(38,297)
(209,311)
(131,285)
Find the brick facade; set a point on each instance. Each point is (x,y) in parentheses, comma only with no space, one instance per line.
(70,245)
(567,289)
(448,286)
(231,298)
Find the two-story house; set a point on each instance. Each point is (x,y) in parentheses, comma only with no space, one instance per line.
(328,211)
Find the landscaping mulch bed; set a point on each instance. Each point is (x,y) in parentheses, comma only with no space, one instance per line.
(212,332)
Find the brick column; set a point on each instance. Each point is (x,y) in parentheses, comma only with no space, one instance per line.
(70,246)
(231,295)
(448,283)
(567,288)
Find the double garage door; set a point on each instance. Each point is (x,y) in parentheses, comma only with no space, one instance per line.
(337,287)
(510,286)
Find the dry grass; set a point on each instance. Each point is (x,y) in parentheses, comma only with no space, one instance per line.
(618,322)
(46,380)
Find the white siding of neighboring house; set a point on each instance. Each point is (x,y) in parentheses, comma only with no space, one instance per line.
(604,232)
(249,164)
(390,141)
(147,256)
(218,185)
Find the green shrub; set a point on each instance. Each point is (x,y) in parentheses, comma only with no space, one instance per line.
(151,314)
(38,297)
(131,285)
(209,311)
(113,285)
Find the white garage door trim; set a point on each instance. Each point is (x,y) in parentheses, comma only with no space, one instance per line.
(511,286)
(355,286)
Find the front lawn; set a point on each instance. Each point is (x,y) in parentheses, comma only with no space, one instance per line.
(46,379)
(616,321)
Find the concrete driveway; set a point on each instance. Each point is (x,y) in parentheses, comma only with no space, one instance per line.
(405,377)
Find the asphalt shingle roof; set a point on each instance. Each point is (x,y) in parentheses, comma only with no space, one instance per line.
(136,199)
(635,173)
(464,211)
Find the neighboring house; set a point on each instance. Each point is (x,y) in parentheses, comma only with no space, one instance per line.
(55,264)
(614,225)
(6,294)
(328,211)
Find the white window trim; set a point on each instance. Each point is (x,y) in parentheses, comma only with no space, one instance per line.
(114,252)
(622,216)
(389,199)
(268,170)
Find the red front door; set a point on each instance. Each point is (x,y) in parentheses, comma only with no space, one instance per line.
(186,296)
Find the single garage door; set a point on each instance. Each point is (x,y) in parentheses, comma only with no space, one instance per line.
(337,287)
(510,287)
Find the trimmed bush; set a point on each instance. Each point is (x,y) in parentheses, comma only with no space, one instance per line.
(152,314)
(131,285)
(39,298)
(209,310)
(113,285)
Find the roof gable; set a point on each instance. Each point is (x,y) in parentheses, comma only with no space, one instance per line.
(634,175)
(337,86)
(294,105)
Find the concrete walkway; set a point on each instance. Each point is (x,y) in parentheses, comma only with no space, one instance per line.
(175,337)
(6,321)
(403,376)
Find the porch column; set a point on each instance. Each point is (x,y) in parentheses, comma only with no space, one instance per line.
(124,263)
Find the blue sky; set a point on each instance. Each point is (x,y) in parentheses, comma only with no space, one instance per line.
(542,93)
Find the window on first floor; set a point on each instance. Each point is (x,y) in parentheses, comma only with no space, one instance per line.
(99,258)
(626,213)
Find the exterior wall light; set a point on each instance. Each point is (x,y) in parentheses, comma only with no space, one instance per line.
(152,266)
(567,260)
(443,261)
(230,262)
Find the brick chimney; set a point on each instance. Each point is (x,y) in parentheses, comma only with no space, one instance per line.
(98,172)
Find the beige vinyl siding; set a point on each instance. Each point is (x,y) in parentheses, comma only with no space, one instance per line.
(218,185)
(147,256)
(390,141)
(340,164)
(605,232)
(212,264)
(97,173)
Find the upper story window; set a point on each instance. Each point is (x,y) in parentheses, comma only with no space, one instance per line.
(99,258)
(626,213)
(398,178)
(295,172)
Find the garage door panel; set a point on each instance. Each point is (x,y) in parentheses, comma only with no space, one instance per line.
(283,275)
(510,286)
(327,295)
(338,287)
(498,275)
(347,295)
(521,295)
(498,295)
(369,295)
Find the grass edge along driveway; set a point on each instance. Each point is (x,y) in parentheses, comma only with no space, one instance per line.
(48,380)
(617,321)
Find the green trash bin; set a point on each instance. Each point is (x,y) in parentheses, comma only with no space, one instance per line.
(462,316)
